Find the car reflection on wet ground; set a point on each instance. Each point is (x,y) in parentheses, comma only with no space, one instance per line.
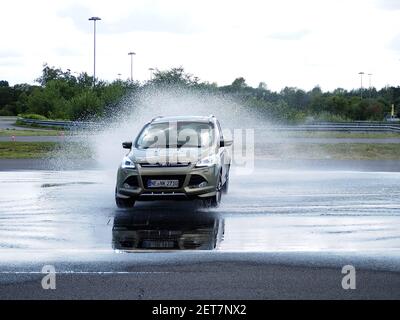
(183,230)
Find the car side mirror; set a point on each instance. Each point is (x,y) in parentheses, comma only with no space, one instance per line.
(225,143)
(127,145)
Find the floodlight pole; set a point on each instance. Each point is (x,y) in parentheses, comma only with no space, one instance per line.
(370,84)
(151,73)
(131,54)
(361,75)
(94,19)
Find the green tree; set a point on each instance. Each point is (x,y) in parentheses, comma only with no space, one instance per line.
(239,83)
(85,105)
(173,77)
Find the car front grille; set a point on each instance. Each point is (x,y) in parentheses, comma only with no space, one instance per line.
(180,178)
(159,234)
(165,165)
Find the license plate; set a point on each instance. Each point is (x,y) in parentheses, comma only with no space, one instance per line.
(157,244)
(162,183)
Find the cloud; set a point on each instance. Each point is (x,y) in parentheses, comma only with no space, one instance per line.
(10,62)
(290,36)
(66,51)
(7,53)
(154,21)
(143,18)
(79,15)
(394,44)
(388,4)
(324,42)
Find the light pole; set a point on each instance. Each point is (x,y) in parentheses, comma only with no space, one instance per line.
(370,84)
(131,54)
(361,74)
(151,73)
(94,19)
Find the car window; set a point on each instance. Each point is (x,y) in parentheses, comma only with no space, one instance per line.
(176,135)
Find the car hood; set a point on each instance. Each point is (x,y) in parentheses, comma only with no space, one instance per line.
(171,155)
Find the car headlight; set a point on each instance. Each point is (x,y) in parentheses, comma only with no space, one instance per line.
(127,163)
(206,162)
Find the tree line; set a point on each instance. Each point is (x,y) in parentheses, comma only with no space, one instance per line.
(60,94)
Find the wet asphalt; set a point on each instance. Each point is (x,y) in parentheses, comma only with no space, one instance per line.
(283,232)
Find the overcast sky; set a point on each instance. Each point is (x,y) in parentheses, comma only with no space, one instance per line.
(281,42)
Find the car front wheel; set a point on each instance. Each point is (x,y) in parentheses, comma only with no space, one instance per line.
(124,203)
(215,201)
(225,187)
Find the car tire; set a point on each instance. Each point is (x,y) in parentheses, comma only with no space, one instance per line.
(215,201)
(225,187)
(124,203)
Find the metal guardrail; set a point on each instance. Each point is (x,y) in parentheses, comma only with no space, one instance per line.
(341,127)
(356,126)
(359,123)
(360,126)
(58,124)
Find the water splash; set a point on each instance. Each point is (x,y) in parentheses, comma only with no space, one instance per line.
(137,110)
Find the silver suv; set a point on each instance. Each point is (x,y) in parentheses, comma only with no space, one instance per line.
(175,158)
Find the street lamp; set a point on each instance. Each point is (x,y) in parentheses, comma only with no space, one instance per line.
(361,74)
(151,73)
(131,54)
(94,19)
(370,84)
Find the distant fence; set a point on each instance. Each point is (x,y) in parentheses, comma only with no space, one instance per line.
(357,126)
(58,124)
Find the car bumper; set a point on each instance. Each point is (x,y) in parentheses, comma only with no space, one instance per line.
(185,191)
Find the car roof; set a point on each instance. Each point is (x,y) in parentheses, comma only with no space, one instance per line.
(183,118)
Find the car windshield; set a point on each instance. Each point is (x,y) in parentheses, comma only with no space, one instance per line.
(176,135)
